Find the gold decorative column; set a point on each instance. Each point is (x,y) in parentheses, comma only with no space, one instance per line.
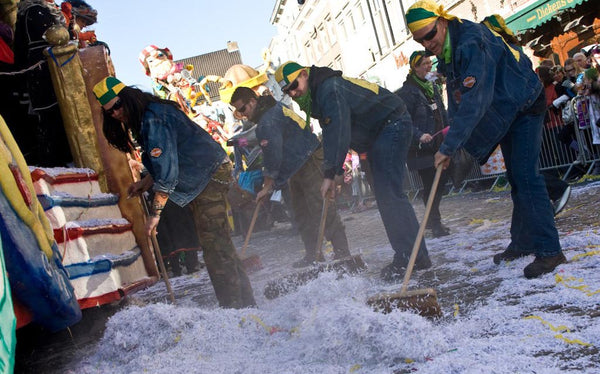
(97,65)
(67,78)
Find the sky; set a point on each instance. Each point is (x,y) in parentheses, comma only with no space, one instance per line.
(494,320)
(187,27)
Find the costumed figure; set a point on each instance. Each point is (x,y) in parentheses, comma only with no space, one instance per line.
(44,143)
(158,64)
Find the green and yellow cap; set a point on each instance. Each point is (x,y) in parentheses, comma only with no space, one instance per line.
(425,12)
(415,57)
(498,24)
(107,89)
(287,73)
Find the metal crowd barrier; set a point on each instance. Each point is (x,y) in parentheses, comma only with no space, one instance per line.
(587,134)
(565,146)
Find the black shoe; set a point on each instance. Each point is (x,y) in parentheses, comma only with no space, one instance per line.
(305,262)
(423,264)
(193,269)
(543,265)
(339,254)
(559,204)
(508,255)
(394,271)
(439,230)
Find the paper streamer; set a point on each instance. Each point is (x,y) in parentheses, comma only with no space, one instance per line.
(583,287)
(561,328)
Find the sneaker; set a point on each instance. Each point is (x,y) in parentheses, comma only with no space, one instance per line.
(394,271)
(508,255)
(543,265)
(559,204)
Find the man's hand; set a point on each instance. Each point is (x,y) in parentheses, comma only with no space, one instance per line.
(328,188)
(139,187)
(267,189)
(151,223)
(441,159)
(262,194)
(425,138)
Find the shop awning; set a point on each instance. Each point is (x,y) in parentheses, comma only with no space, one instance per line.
(538,13)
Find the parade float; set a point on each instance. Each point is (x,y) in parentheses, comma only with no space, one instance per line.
(71,239)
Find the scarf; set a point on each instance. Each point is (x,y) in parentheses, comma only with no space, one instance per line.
(425,12)
(425,85)
(305,103)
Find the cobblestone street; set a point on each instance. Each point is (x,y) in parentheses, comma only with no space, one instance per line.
(463,274)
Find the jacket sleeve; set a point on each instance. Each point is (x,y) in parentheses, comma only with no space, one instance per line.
(336,124)
(472,91)
(161,150)
(417,113)
(238,161)
(269,136)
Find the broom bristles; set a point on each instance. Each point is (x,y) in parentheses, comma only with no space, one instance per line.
(289,283)
(423,301)
(252,263)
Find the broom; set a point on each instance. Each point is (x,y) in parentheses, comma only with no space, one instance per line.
(251,263)
(351,264)
(158,255)
(424,301)
(319,246)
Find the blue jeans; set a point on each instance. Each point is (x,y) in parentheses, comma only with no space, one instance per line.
(532,228)
(387,158)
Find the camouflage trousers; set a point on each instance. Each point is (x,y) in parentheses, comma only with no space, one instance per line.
(225,268)
(307,203)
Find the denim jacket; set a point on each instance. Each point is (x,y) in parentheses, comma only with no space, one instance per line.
(421,110)
(487,88)
(351,113)
(178,153)
(286,145)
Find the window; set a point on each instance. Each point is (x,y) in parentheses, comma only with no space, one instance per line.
(323,37)
(337,62)
(359,13)
(330,30)
(342,29)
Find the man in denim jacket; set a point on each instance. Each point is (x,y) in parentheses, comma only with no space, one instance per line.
(494,97)
(357,114)
(292,154)
(186,166)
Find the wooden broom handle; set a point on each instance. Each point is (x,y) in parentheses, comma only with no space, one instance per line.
(251,228)
(161,264)
(158,254)
(319,246)
(420,234)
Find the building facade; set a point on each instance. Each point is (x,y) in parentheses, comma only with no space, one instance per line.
(367,38)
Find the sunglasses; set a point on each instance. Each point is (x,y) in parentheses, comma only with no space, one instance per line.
(430,35)
(116,106)
(569,70)
(242,109)
(292,86)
